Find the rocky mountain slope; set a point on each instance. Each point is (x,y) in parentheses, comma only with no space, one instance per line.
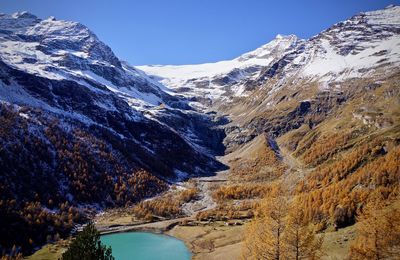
(321,121)
(64,69)
(205,83)
(83,129)
(299,82)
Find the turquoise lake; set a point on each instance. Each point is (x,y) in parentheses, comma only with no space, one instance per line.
(145,246)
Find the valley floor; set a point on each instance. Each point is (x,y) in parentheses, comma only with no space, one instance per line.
(215,241)
(212,239)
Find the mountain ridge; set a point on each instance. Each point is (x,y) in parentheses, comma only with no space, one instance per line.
(85,130)
(304,57)
(102,133)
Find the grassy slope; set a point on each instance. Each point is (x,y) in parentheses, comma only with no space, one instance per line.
(50,251)
(371,114)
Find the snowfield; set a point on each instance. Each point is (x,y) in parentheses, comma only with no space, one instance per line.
(348,49)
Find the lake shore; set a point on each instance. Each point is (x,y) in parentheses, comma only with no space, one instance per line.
(205,240)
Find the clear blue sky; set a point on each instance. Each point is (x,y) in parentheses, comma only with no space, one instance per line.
(194,31)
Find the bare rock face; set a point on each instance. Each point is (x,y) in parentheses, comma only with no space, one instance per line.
(312,77)
(65,71)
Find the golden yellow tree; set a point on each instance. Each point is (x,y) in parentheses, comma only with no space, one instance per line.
(279,231)
(264,236)
(378,233)
(300,240)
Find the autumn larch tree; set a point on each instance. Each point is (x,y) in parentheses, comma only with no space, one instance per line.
(378,231)
(300,240)
(264,237)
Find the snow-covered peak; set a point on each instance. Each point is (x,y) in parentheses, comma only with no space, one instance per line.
(348,49)
(17,22)
(260,57)
(354,47)
(56,36)
(65,50)
(276,46)
(211,81)
(51,27)
(389,15)
(23,15)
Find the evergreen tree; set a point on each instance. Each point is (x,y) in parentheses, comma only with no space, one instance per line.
(87,246)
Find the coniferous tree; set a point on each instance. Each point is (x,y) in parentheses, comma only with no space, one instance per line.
(378,233)
(264,238)
(280,231)
(87,246)
(300,239)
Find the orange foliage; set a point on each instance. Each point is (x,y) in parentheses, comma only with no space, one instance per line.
(338,202)
(241,191)
(324,147)
(166,206)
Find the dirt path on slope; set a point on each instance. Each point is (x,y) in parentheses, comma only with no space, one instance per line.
(205,185)
(295,171)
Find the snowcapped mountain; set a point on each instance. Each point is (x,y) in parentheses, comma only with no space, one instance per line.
(62,68)
(62,50)
(352,48)
(349,49)
(317,77)
(58,81)
(81,127)
(290,81)
(68,53)
(214,80)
